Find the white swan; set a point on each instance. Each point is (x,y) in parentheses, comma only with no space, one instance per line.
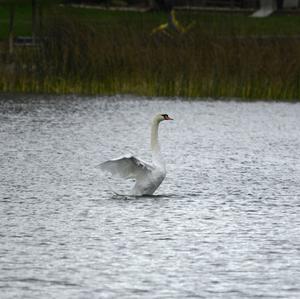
(147,176)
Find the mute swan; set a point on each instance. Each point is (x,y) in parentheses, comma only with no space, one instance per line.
(147,176)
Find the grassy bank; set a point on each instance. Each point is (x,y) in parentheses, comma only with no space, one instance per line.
(95,52)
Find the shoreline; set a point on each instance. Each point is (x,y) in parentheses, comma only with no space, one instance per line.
(130,96)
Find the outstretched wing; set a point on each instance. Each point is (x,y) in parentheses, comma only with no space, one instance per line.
(127,167)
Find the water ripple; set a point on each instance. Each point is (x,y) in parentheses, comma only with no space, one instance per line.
(224,223)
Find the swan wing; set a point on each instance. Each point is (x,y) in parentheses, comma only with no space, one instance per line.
(127,167)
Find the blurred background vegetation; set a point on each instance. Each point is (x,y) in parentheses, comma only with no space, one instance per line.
(100,51)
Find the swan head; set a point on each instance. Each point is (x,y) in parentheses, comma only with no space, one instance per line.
(160,117)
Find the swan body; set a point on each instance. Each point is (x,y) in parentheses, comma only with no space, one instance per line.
(147,176)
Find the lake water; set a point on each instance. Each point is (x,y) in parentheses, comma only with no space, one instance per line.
(225,223)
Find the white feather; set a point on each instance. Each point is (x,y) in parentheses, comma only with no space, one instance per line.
(147,176)
(127,167)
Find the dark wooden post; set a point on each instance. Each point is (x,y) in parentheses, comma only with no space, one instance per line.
(40,16)
(34,20)
(11,28)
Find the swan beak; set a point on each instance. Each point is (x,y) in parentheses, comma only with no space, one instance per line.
(169,118)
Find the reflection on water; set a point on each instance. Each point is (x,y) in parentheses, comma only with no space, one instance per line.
(224,223)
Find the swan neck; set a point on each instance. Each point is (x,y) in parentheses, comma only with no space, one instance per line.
(155,147)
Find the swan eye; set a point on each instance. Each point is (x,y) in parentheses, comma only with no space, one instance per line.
(165,116)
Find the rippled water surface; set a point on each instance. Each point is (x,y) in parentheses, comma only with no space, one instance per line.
(225,223)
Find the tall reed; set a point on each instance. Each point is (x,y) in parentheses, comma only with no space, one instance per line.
(75,57)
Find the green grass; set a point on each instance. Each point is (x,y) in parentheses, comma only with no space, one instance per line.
(97,52)
(22,20)
(217,23)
